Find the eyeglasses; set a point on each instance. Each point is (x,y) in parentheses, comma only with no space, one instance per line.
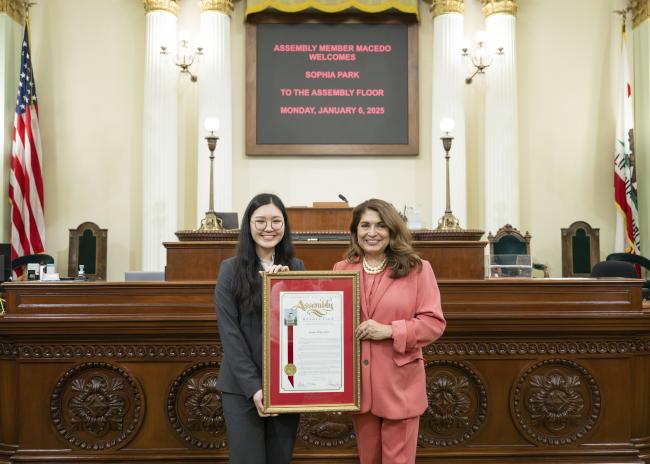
(261,224)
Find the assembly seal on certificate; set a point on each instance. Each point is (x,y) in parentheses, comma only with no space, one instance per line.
(311,356)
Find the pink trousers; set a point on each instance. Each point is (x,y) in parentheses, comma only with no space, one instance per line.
(385,441)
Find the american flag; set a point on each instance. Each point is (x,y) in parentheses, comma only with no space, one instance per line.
(26,180)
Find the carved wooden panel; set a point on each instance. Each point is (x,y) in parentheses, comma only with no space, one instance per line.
(580,249)
(194,407)
(533,371)
(458,404)
(96,406)
(189,261)
(556,402)
(326,430)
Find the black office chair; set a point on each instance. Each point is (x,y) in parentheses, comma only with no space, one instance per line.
(614,269)
(635,260)
(40,258)
(630,258)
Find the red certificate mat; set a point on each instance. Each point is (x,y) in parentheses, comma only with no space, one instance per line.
(311,356)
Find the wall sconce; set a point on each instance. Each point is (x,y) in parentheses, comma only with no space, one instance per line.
(184,57)
(480,57)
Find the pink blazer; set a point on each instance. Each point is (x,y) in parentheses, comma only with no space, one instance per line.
(393,383)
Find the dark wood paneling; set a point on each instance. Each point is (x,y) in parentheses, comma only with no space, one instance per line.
(200,260)
(528,371)
(306,219)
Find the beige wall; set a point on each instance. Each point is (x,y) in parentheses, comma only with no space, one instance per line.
(88,60)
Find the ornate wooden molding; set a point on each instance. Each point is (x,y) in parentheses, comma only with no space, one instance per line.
(452,348)
(640,11)
(556,347)
(15,9)
(140,351)
(161,5)
(222,6)
(440,7)
(491,7)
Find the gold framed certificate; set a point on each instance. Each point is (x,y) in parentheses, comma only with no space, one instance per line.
(311,356)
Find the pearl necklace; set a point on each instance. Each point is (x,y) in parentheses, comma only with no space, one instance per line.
(374,269)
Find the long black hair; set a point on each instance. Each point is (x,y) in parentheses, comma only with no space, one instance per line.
(247,283)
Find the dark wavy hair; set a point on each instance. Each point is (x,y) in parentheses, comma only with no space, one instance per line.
(247,282)
(400,255)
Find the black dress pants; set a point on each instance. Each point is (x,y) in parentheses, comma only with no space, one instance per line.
(257,440)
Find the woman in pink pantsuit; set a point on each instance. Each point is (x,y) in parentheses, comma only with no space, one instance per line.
(401,313)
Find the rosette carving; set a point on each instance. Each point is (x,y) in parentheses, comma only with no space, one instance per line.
(194,407)
(96,406)
(326,430)
(457,404)
(556,402)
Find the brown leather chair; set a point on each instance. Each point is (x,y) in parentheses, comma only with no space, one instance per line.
(88,247)
(580,249)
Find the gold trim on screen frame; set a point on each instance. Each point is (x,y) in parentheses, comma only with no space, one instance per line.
(266,381)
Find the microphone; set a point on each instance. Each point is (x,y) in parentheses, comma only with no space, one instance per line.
(343,198)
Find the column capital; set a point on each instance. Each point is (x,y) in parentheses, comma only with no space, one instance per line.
(440,7)
(15,9)
(161,5)
(491,7)
(222,6)
(640,11)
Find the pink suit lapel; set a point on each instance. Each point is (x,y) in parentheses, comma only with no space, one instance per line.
(386,282)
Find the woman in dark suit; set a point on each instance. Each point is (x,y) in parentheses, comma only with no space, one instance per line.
(264,246)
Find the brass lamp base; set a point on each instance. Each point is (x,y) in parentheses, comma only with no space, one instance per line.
(449,222)
(211,222)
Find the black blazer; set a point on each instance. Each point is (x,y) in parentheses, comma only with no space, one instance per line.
(241,336)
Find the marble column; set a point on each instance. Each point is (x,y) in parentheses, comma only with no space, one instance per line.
(448,101)
(160,134)
(641,67)
(12,20)
(501,195)
(215,100)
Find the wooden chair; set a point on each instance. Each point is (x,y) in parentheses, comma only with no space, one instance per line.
(580,249)
(510,241)
(88,247)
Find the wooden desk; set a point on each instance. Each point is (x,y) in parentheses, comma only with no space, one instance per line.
(305,218)
(528,371)
(188,261)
